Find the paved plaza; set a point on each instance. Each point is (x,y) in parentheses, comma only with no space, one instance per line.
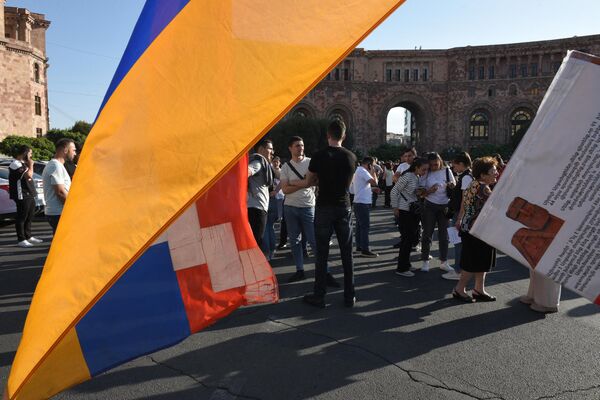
(405,339)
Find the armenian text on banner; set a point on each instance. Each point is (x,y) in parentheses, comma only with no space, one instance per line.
(545,210)
(199,83)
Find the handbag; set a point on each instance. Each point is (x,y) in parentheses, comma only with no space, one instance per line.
(416,207)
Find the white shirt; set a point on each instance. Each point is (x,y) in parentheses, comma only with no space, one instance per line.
(54,174)
(402,167)
(466,181)
(389,176)
(301,198)
(439,178)
(361,186)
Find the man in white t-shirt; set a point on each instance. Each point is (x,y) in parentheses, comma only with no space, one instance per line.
(364,184)
(299,207)
(407,158)
(57,181)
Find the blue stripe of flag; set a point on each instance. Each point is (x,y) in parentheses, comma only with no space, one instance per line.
(155,16)
(141,313)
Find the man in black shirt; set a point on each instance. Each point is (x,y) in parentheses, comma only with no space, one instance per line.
(22,191)
(332,170)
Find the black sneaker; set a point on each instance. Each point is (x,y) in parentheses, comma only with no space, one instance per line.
(358,250)
(298,276)
(350,302)
(331,282)
(369,254)
(282,246)
(314,300)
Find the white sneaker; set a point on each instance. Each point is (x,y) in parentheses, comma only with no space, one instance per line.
(425,266)
(34,240)
(446,267)
(452,275)
(24,243)
(407,274)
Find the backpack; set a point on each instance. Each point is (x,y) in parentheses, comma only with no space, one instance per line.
(457,195)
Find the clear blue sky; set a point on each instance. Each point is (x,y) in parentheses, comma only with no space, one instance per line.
(87,37)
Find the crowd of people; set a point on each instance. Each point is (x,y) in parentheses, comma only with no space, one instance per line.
(334,192)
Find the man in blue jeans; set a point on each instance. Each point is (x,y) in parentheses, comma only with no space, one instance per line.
(332,169)
(299,207)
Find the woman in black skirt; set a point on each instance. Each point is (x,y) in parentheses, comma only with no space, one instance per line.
(477,257)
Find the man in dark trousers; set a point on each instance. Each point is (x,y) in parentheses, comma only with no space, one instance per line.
(332,169)
(22,191)
(260,181)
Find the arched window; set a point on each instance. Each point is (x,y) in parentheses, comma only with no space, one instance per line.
(520,119)
(36,72)
(512,90)
(479,125)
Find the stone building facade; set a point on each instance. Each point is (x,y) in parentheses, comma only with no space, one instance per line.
(23,77)
(462,97)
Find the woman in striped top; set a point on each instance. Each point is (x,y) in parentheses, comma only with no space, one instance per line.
(403,194)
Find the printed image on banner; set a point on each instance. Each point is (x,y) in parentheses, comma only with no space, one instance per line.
(545,210)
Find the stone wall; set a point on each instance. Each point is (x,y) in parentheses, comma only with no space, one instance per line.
(443,89)
(23,77)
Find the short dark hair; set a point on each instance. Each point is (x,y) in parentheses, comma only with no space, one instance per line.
(463,157)
(22,149)
(64,143)
(482,166)
(367,160)
(263,143)
(336,129)
(294,139)
(409,150)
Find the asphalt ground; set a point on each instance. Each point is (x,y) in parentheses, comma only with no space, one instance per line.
(406,338)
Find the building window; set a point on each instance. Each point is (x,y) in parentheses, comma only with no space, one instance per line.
(534,69)
(520,121)
(388,75)
(425,74)
(39,132)
(36,72)
(524,70)
(479,125)
(481,74)
(398,75)
(336,74)
(512,90)
(415,75)
(491,91)
(406,75)
(556,66)
(491,72)
(472,73)
(346,74)
(38,105)
(512,71)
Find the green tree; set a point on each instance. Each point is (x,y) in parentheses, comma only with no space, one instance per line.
(54,135)
(82,127)
(387,152)
(43,149)
(312,131)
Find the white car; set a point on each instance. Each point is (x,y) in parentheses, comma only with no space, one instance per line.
(7,206)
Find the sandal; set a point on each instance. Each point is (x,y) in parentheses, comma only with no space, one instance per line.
(482,296)
(465,298)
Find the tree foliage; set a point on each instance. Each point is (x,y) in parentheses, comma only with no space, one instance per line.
(387,152)
(312,131)
(54,135)
(43,149)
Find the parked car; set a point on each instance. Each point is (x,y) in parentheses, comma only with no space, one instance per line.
(8,208)
(10,204)
(38,166)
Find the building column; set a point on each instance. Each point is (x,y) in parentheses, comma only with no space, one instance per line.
(2,33)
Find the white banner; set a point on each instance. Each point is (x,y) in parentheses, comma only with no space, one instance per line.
(544,211)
